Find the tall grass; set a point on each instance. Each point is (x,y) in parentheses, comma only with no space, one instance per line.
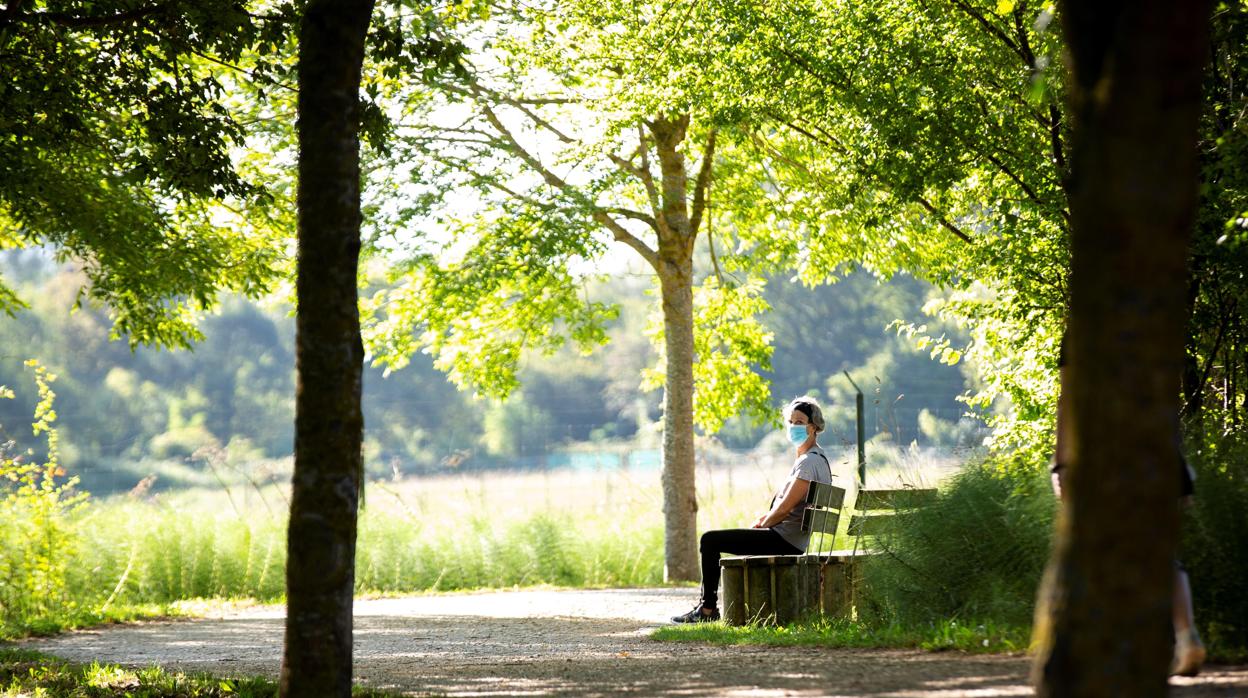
(964,570)
(971,560)
(134,552)
(976,553)
(443,533)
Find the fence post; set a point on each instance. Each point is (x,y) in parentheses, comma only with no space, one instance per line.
(862,446)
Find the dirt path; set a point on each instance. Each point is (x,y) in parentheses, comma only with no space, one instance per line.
(567,643)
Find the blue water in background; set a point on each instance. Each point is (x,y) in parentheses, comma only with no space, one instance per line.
(587,461)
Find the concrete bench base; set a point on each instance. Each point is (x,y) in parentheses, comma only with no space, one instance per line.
(783,588)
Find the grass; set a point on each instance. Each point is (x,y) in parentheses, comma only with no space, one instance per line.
(827,632)
(24,673)
(150,551)
(133,555)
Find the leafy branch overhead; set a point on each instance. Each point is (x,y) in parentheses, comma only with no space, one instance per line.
(560,169)
(117,148)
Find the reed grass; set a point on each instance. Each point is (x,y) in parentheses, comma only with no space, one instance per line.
(145,552)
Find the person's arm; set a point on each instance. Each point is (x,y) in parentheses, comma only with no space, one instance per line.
(795,493)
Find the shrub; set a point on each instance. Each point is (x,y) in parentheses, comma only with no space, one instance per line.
(1215,543)
(975,553)
(37,534)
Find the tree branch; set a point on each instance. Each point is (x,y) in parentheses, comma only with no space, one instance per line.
(81,22)
(809,70)
(943,221)
(635,215)
(710,243)
(249,73)
(1055,140)
(1020,30)
(519,151)
(620,233)
(492,182)
(647,177)
(522,106)
(992,29)
(702,185)
(534,117)
(826,140)
(1031,193)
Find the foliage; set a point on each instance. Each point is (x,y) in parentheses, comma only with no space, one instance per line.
(543,152)
(30,673)
(918,137)
(127,415)
(931,137)
(1214,547)
(733,344)
(37,529)
(126,165)
(1216,375)
(977,552)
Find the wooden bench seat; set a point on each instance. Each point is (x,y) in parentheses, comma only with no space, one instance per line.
(784,588)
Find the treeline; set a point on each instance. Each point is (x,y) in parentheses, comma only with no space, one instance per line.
(235,389)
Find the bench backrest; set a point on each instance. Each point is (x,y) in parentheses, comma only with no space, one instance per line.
(875,510)
(823,508)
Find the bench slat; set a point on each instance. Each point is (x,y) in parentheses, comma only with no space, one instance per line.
(868,526)
(893,499)
(875,510)
(820,520)
(823,495)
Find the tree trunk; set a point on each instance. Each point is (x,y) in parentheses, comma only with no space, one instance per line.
(680,503)
(1104,618)
(329,424)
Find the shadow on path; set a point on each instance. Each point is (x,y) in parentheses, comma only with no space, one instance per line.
(568,643)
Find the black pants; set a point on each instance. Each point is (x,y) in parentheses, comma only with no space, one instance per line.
(736,541)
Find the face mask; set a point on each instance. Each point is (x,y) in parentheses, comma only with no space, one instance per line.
(797,434)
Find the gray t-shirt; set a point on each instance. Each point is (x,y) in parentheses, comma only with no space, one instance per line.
(812,466)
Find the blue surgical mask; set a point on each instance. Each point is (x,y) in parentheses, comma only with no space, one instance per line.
(797,434)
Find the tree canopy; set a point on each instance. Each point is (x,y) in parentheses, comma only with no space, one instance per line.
(116,149)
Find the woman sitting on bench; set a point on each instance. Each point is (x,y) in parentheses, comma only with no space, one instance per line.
(779,531)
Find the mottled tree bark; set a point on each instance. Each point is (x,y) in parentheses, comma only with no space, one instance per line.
(1104,612)
(680,502)
(675,271)
(329,424)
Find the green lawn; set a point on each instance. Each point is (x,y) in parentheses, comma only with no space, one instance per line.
(24,673)
(823,632)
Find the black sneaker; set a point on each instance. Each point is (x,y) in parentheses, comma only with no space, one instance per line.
(697,616)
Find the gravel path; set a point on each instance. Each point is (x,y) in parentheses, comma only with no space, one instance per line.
(567,643)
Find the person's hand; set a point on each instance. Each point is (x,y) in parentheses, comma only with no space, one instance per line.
(758,523)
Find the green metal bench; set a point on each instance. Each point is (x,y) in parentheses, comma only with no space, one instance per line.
(783,588)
